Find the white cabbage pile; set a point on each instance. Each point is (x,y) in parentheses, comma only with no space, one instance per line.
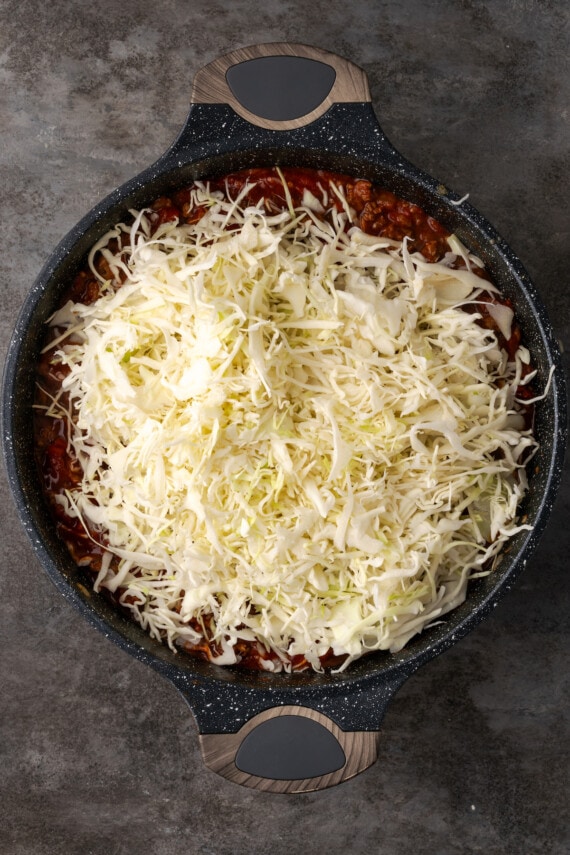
(290,427)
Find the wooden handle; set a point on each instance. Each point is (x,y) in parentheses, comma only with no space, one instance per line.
(289,749)
(280,86)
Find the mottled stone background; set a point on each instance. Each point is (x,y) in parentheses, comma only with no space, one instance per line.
(99,756)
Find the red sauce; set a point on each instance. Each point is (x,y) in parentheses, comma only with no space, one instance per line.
(377,211)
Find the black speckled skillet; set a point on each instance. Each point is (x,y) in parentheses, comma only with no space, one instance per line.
(299,106)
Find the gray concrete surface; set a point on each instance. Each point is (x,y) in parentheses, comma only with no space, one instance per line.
(99,755)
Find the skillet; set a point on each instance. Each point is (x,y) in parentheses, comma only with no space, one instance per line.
(289,105)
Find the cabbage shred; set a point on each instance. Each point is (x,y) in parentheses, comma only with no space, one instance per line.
(290,432)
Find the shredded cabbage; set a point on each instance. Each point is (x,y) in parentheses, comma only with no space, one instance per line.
(290,429)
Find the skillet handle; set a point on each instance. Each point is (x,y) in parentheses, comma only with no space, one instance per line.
(289,749)
(289,736)
(280,86)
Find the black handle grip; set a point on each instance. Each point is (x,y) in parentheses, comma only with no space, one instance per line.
(288,748)
(280,88)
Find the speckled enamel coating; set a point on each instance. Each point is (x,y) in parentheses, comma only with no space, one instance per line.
(214,141)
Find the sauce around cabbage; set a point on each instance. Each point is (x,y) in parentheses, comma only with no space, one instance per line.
(283,417)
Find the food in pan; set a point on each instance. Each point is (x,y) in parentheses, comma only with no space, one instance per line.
(283,418)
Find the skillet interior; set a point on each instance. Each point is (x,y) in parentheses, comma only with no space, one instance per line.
(359,149)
